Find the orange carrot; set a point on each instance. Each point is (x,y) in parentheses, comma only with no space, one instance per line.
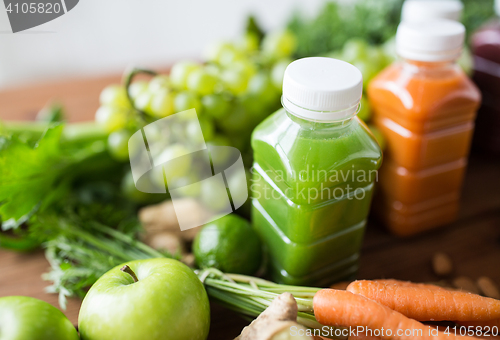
(408,284)
(422,303)
(342,308)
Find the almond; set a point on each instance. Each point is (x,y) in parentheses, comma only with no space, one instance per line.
(488,287)
(442,264)
(465,283)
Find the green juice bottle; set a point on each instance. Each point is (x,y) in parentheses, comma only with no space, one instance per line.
(315,164)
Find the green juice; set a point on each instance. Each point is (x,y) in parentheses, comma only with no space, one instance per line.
(312,183)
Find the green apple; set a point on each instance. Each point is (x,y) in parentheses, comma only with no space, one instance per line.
(27,318)
(146,299)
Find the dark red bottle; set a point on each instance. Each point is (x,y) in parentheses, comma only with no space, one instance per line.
(486,51)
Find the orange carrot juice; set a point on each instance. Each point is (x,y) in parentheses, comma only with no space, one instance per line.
(425,106)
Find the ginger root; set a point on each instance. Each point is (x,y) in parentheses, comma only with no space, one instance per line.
(161,217)
(168,241)
(275,322)
(188,259)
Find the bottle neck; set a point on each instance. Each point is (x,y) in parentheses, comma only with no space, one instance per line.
(430,65)
(310,124)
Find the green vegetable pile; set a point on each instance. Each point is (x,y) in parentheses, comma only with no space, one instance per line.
(68,187)
(374,21)
(58,188)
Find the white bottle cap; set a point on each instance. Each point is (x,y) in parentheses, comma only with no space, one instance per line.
(497,7)
(425,10)
(438,40)
(322,89)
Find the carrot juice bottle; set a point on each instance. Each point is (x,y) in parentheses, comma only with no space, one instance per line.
(424,10)
(425,106)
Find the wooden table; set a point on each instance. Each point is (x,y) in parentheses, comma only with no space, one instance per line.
(473,241)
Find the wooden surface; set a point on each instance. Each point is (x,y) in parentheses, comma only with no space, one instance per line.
(79,97)
(473,242)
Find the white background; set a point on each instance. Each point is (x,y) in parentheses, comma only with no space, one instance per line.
(104,36)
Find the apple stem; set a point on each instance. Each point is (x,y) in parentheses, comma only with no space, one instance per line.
(129,271)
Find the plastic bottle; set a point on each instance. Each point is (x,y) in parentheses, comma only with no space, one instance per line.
(315,164)
(425,106)
(428,10)
(425,10)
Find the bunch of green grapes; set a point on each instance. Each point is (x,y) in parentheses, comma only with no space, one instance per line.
(370,60)
(234,90)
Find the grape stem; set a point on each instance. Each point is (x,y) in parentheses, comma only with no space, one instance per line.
(128,77)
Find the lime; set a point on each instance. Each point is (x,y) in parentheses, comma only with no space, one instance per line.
(229,244)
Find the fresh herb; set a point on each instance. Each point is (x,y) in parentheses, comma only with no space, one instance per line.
(374,21)
(93,230)
(476,13)
(253,27)
(27,175)
(52,113)
(59,188)
(35,172)
(80,253)
(250,296)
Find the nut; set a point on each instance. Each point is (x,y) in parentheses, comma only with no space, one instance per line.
(488,287)
(466,283)
(442,264)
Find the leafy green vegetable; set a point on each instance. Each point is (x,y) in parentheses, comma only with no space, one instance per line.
(374,21)
(19,243)
(35,171)
(52,113)
(90,231)
(250,296)
(61,184)
(27,175)
(80,253)
(253,27)
(476,12)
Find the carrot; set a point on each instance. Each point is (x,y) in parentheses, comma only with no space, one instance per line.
(423,303)
(344,309)
(408,284)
